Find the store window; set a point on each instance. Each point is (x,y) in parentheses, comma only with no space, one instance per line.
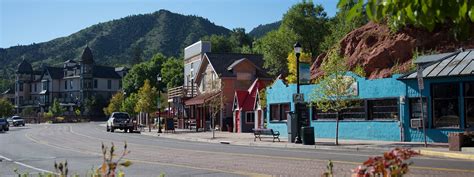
(383,109)
(278,112)
(415,108)
(356,110)
(249,117)
(446,105)
(469,104)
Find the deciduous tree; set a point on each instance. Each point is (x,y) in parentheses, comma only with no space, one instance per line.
(115,103)
(458,15)
(172,72)
(6,108)
(333,91)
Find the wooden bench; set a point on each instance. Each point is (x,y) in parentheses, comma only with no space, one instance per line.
(259,133)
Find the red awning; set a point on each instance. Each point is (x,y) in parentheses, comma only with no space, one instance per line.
(201,99)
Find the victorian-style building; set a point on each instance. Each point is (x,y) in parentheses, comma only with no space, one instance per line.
(71,84)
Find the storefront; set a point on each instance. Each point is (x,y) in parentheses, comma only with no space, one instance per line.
(375,114)
(389,109)
(448,96)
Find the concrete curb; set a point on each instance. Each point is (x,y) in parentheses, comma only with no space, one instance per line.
(453,155)
(275,145)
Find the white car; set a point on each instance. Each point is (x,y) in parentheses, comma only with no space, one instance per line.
(16,121)
(119,120)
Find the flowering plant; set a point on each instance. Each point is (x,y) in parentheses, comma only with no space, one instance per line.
(391,164)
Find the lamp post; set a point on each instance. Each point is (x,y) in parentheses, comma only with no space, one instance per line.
(158,79)
(297,48)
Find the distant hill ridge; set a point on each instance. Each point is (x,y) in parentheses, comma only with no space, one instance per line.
(116,42)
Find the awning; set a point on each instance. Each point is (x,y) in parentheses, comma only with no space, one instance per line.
(201,99)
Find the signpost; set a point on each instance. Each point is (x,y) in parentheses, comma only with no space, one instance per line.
(421,86)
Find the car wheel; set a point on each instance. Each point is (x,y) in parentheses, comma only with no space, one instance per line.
(125,130)
(112,129)
(108,129)
(130,130)
(23,124)
(7,129)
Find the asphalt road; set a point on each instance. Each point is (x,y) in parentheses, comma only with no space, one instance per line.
(35,148)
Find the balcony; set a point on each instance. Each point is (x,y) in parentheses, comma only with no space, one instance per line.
(182,92)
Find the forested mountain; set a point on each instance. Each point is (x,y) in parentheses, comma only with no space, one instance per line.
(261,30)
(120,41)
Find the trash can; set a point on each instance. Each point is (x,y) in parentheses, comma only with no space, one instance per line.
(455,141)
(307,135)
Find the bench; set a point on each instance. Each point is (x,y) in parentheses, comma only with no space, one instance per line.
(259,133)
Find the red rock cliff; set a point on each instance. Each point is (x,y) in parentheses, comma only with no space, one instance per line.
(382,52)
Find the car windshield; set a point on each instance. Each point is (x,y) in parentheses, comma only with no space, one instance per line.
(16,118)
(121,116)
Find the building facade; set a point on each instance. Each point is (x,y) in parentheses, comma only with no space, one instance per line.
(71,84)
(389,109)
(222,74)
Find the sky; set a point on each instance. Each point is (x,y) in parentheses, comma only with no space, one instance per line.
(24,22)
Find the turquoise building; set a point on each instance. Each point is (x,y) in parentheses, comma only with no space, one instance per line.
(388,109)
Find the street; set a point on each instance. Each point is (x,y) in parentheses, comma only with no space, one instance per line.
(35,148)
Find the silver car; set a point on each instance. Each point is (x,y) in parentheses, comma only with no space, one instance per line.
(16,121)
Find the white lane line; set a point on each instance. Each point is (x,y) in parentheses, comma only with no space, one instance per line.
(26,165)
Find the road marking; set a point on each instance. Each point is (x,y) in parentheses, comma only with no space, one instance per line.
(26,165)
(267,156)
(288,158)
(27,135)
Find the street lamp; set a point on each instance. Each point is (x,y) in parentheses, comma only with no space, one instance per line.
(158,79)
(297,48)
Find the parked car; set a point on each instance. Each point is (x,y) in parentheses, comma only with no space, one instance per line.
(120,120)
(16,121)
(4,126)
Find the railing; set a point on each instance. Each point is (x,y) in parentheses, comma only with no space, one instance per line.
(182,91)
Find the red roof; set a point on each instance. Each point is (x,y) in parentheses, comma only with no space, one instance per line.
(246,99)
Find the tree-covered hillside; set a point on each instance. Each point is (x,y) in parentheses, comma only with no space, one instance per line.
(262,30)
(119,42)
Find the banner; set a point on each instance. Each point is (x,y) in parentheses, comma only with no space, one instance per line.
(305,74)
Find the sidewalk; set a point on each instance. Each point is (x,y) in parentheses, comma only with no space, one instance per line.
(247,139)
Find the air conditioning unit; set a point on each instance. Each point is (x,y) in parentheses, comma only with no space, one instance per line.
(416,123)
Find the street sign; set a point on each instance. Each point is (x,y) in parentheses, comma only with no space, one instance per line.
(298,98)
(419,76)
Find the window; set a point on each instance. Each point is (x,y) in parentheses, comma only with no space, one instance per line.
(249,117)
(385,109)
(65,85)
(31,87)
(415,108)
(70,84)
(21,100)
(109,84)
(278,112)
(446,105)
(120,84)
(35,87)
(95,83)
(203,82)
(469,104)
(355,111)
(45,85)
(20,86)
